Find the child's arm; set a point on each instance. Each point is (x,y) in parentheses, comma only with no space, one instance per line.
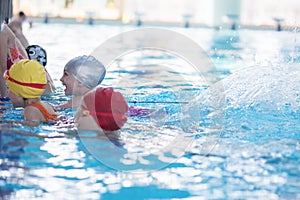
(3,62)
(66,105)
(50,85)
(21,48)
(23,40)
(71,103)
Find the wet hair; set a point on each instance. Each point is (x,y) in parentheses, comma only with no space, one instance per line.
(21,14)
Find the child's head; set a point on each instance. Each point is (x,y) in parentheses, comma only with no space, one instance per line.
(36,52)
(21,16)
(81,74)
(25,79)
(102,109)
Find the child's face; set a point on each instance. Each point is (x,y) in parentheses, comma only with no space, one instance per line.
(15,99)
(69,82)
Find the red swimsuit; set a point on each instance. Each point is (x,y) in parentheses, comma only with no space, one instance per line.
(13,56)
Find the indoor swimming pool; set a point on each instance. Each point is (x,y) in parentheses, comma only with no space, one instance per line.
(246,147)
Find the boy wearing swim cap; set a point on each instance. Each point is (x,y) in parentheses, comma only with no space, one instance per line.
(81,74)
(26,82)
(102,109)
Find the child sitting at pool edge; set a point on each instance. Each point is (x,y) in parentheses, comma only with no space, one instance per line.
(26,81)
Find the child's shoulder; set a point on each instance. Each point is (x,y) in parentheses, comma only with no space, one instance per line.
(41,111)
(43,107)
(32,113)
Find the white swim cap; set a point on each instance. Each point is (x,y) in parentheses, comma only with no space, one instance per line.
(86,69)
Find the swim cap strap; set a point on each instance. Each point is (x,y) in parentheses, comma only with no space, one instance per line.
(33,85)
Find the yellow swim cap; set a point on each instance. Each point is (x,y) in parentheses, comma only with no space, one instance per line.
(26,78)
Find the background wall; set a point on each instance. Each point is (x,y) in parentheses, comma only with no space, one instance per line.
(205,12)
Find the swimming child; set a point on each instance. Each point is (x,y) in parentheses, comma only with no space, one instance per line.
(36,52)
(102,109)
(81,74)
(26,82)
(11,51)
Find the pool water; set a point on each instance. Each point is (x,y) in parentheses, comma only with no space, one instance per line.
(254,154)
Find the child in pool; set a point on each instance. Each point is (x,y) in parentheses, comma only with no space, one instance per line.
(11,51)
(81,74)
(36,52)
(102,109)
(26,82)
